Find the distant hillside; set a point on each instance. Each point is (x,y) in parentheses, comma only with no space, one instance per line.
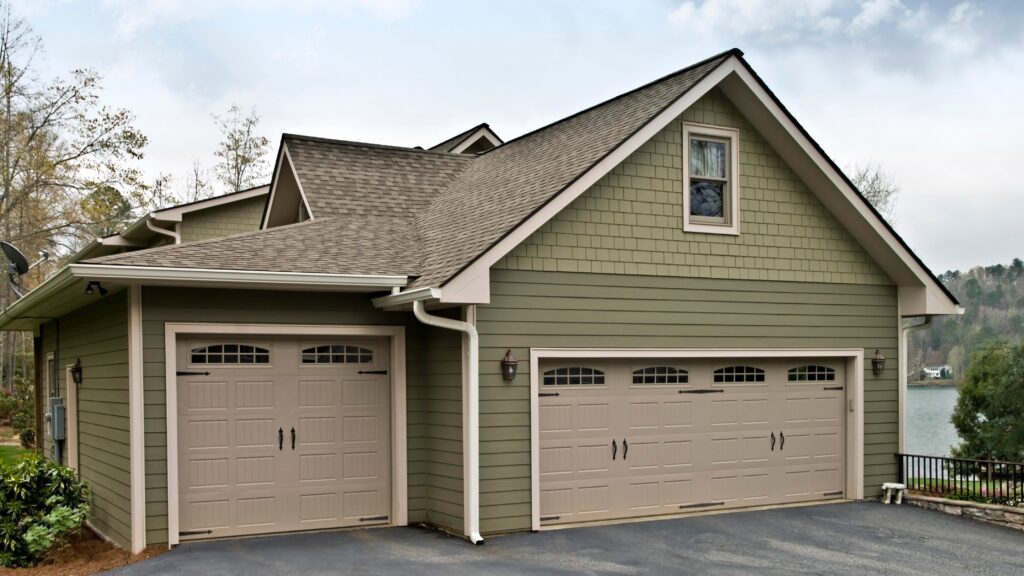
(994,299)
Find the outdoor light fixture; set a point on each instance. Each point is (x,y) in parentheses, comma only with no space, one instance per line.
(76,372)
(878,363)
(509,364)
(89,289)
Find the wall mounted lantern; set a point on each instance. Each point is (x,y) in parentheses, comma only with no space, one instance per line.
(76,372)
(877,363)
(509,365)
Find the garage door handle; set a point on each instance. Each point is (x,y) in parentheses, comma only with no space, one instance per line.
(293,438)
(615,448)
(783,443)
(625,448)
(773,441)
(280,439)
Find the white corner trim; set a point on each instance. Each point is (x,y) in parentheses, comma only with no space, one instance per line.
(255,278)
(298,183)
(732,225)
(854,397)
(136,421)
(478,271)
(399,425)
(72,416)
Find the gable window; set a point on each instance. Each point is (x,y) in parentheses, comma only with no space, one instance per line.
(230,354)
(574,376)
(812,374)
(711,179)
(660,375)
(336,354)
(736,374)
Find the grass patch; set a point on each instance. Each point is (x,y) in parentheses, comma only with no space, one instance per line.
(9,454)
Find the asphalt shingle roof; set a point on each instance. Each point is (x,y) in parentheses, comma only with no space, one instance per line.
(387,210)
(369,245)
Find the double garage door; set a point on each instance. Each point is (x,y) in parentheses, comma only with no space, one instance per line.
(281,434)
(632,438)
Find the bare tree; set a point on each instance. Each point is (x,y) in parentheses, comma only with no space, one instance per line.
(877,187)
(242,152)
(197,183)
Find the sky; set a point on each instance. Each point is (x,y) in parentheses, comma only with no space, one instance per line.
(930,91)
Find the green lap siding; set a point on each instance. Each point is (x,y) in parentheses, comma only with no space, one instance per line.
(98,335)
(225,220)
(573,310)
(615,269)
(433,386)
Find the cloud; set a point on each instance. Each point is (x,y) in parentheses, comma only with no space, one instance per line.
(137,16)
(921,32)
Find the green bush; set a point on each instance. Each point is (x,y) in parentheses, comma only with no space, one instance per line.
(20,408)
(41,505)
(989,412)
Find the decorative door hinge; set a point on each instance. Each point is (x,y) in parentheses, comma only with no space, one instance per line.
(703,391)
(548,518)
(373,518)
(373,371)
(188,373)
(548,394)
(834,388)
(194,532)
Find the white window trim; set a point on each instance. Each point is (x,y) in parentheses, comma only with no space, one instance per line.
(732,222)
(399,457)
(71,411)
(854,367)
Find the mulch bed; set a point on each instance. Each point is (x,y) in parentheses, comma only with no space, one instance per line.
(87,554)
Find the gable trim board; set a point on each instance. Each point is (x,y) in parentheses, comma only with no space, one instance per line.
(471,284)
(399,453)
(482,132)
(284,158)
(854,357)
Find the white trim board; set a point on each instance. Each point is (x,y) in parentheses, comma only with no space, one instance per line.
(482,132)
(137,420)
(399,438)
(71,412)
(854,394)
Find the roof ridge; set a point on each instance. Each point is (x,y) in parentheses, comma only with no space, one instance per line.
(352,143)
(459,136)
(730,52)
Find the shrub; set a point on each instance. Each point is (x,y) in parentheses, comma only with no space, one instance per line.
(41,504)
(20,408)
(989,412)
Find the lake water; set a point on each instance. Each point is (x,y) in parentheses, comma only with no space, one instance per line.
(929,430)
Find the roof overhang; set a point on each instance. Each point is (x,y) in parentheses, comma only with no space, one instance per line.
(484,132)
(64,291)
(140,233)
(920,293)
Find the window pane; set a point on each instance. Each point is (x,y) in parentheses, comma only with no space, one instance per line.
(706,198)
(707,158)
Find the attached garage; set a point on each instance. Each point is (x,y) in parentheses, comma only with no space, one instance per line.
(282,432)
(634,436)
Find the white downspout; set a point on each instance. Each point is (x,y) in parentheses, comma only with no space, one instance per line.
(164,231)
(471,438)
(903,362)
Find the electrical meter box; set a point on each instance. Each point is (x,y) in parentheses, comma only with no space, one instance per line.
(57,417)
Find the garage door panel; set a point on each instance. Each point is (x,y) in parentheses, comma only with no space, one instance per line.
(691,448)
(284,445)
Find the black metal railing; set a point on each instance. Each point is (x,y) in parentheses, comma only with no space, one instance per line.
(980,480)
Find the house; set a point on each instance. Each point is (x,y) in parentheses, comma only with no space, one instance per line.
(672,301)
(937,371)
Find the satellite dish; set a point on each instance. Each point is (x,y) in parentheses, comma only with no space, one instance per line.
(18,264)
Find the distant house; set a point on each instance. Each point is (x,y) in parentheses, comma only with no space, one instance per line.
(937,371)
(668,302)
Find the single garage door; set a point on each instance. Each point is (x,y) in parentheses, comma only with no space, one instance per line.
(281,434)
(631,438)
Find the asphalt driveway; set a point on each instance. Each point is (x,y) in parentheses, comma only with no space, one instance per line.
(851,538)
